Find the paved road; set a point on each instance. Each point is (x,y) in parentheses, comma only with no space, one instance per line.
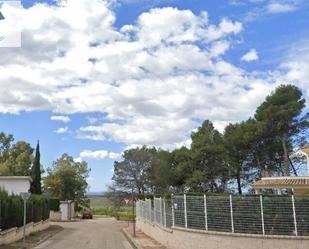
(100,233)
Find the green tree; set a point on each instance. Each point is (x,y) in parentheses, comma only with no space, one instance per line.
(181,167)
(135,171)
(36,186)
(5,145)
(210,171)
(161,175)
(278,116)
(67,179)
(238,140)
(17,160)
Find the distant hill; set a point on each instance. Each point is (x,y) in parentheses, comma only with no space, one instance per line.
(95,193)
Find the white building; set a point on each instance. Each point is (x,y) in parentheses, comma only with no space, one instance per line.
(15,184)
(67,209)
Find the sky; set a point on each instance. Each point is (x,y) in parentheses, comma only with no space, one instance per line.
(95,77)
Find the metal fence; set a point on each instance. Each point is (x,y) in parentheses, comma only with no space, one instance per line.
(265,215)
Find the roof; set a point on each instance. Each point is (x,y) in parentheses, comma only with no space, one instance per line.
(282,182)
(16,178)
(305,149)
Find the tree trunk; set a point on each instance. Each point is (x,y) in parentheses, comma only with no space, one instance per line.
(286,166)
(239,183)
(294,170)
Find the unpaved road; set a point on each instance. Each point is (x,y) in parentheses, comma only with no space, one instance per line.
(100,233)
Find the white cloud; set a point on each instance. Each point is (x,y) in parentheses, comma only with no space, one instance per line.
(64,119)
(98,155)
(296,67)
(252,55)
(151,81)
(62,130)
(277,7)
(219,48)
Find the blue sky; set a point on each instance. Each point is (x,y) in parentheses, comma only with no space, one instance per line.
(157,69)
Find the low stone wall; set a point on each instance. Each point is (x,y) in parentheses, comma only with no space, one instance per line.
(15,234)
(178,238)
(55,216)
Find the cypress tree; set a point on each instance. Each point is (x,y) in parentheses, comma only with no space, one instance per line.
(36,187)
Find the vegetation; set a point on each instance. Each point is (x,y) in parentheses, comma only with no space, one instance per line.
(15,159)
(105,205)
(100,202)
(12,207)
(122,215)
(135,169)
(259,146)
(36,185)
(54,204)
(67,179)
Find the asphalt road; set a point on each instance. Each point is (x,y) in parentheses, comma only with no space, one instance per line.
(100,233)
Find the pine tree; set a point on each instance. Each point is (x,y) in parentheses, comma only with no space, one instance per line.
(279,118)
(36,187)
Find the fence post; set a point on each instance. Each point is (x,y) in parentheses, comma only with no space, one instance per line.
(231,209)
(262,214)
(137,209)
(173,211)
(161,213)
(205,213)
(294,216)
(164,213)
(149,210)
(185,210)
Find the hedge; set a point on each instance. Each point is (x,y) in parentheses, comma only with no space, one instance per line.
(54,204)
(12,209)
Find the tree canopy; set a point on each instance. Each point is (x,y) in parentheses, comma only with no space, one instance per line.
(67,179)
(216,162)
(278,116)
(36,185)
(15,158)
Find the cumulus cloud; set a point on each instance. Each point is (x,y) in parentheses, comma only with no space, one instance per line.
(296,66)
(62,130)
(98,155)
(252,55)
(64,119)
(153,80)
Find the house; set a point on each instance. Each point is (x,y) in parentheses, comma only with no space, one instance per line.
(15,184)
(299,185)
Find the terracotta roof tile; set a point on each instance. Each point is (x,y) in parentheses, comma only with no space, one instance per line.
(282,182)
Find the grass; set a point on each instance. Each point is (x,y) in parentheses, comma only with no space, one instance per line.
(100,202)
(101,205)
(122,215)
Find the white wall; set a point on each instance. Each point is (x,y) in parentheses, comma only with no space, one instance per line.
(178,238)
(64,209)
(15,186)
(67,209)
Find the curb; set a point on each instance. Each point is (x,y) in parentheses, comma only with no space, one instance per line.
(130,239)
(47,238)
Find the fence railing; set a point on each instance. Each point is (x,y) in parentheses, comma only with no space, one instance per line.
(265,215)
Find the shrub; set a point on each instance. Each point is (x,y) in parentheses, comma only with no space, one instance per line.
(12,210)
(54,204)
(126,215)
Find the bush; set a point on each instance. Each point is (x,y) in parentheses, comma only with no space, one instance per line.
(39,208)
(123,215)
(54,204)
(12,210)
